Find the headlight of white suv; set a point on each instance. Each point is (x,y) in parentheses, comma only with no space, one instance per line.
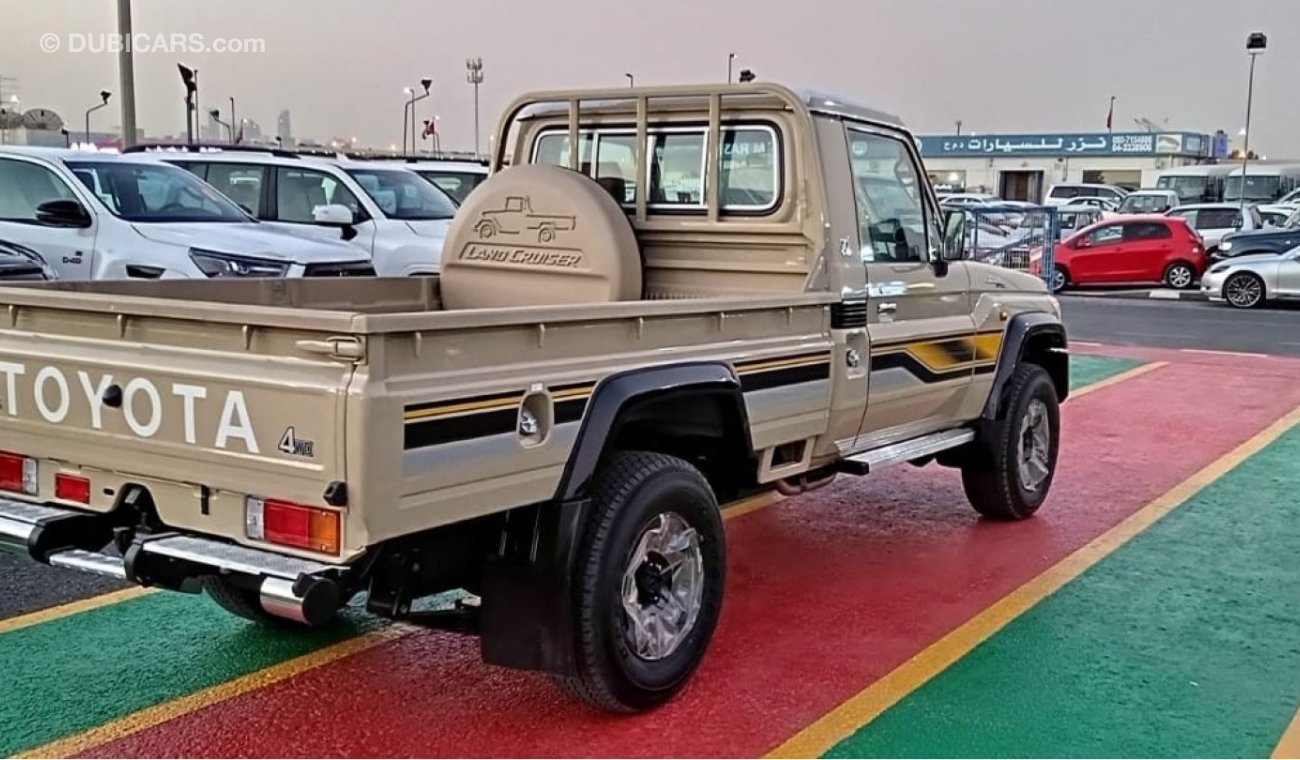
(1225,245)
(214,264)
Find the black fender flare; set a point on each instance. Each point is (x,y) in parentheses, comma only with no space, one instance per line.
(1021,330)
(527,611)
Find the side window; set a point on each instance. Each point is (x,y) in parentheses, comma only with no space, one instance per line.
(24,186)
(887,186)
(1146,231)
(616,165)
(677,169)
(299,191)
(193,167)
(750,171)
(241,183)
(1105,235)
(1065,191)
(1218,219)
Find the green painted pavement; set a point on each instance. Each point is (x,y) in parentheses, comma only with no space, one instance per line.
(74,673)
(1088,369)
(77,672)
(1183,643)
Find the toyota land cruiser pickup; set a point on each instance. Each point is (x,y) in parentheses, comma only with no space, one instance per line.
(701,293)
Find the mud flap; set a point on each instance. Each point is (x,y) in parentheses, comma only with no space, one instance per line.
(527,614)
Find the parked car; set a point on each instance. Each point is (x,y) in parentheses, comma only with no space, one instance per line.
(1063,193)
(1073,218)
(455,178)
(1149,201)
(1106,206)
(398,218)
(966,199)
(1215,221)
(1271,241)
(1130,249)
(20,263)
(1245,282)
(96,215)
(1275,214)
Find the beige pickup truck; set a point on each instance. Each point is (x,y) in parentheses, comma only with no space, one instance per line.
(673,298)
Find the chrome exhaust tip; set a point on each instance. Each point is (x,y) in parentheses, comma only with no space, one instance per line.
(315,605)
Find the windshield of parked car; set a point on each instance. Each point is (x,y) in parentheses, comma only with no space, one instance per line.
(1258,188)
(401,194)
(1188,188)
(455,184)
(146,193)
(1144,204)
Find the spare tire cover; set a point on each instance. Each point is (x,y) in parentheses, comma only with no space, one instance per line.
(536,235)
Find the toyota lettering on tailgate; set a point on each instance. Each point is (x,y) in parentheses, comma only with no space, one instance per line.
(143,403)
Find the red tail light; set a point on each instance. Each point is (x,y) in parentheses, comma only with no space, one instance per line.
(289,524)
(72,488)
(18,473)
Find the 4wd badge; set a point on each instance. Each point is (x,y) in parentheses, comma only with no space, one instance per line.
(292,445)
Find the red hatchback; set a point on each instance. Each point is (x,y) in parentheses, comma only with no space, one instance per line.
(1137,248)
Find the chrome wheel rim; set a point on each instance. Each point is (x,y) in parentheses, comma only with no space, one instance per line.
(1034,446)
(1180,277)
(1243,291)
(663,587)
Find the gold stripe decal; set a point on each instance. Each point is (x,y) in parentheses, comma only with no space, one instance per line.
(947,353)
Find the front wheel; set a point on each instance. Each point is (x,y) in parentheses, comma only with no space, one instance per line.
(1060,278)
(1244,290)
(649,579)
(1009,479)
(1179,275)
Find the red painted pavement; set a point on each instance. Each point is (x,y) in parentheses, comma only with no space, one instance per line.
(826,593)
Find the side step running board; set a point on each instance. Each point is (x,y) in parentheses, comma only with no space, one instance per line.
(906,451)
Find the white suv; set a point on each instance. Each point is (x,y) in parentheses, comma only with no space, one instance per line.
(399,219)
(97,215)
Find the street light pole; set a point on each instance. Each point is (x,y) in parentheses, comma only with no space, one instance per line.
(126,73)
(1256,44)
(959,127)
(232,118)
(104,96)
(426,83)
(631,80)
(474,75)
(731,59)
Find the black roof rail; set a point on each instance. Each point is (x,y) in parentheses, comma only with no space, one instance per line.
(209,148)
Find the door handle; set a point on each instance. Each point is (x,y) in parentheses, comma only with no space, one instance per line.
(886,307)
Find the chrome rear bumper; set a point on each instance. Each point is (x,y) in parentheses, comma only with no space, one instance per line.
(288,587)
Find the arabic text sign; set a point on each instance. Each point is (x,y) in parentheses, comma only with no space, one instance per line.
(1070,144)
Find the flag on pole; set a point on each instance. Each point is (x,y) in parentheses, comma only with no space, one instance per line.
(1110,115)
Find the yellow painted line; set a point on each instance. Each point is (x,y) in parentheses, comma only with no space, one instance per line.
(750,504)
(865,706)
(165,711)
(1121,377)
(1289,745)
(72,608)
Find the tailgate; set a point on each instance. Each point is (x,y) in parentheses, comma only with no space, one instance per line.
(201,414)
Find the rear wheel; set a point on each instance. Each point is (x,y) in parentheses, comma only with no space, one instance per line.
(1060,278)
(1179,275)
(649,581)
(1009,479)
(1244,290)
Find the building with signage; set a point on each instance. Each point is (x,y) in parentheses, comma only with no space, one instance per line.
(1024,166)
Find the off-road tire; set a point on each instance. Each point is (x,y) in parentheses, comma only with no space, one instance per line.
(241,602)
(1176,266)
(991,477)
(631,489)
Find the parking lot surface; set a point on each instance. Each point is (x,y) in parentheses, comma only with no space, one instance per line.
(1145,611)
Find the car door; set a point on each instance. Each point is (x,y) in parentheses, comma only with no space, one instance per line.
(1147,248)
(25,185)
(919,321)
(1095,256)
(1288,274)
(297,192)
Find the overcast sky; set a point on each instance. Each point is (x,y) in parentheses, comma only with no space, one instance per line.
(998,65)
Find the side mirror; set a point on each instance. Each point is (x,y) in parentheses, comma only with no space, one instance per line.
(1083,243)
(333,215)
(954,235)
(63,213)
